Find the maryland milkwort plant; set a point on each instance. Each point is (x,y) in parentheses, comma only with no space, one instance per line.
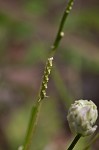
(80,111)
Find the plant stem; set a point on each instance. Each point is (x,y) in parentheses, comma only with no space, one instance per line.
(44,83)
(66,97)
(60,32)
(31,126)
(92,141)
(76,139)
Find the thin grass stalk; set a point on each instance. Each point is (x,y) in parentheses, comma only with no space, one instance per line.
(45,79)
(66,97)
(74,142)
(94,139)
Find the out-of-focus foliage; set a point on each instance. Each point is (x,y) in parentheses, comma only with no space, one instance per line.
(27,29)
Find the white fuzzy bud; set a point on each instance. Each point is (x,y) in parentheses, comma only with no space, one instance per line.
(82,116)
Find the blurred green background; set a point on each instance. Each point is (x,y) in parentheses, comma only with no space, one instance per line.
(27,30)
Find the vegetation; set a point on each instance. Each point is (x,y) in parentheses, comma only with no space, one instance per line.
(26,32)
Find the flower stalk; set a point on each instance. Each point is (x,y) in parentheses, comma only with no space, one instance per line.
(45,79)
(94,139)
(74,142)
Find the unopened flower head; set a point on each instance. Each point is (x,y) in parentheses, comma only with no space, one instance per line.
(82,116)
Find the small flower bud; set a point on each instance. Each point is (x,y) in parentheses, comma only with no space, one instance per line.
(81,117)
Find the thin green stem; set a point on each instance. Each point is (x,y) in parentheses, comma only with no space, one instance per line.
(45,79)
(61,87)
(31,126)
(92,141)
(60,32)
(76,139)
